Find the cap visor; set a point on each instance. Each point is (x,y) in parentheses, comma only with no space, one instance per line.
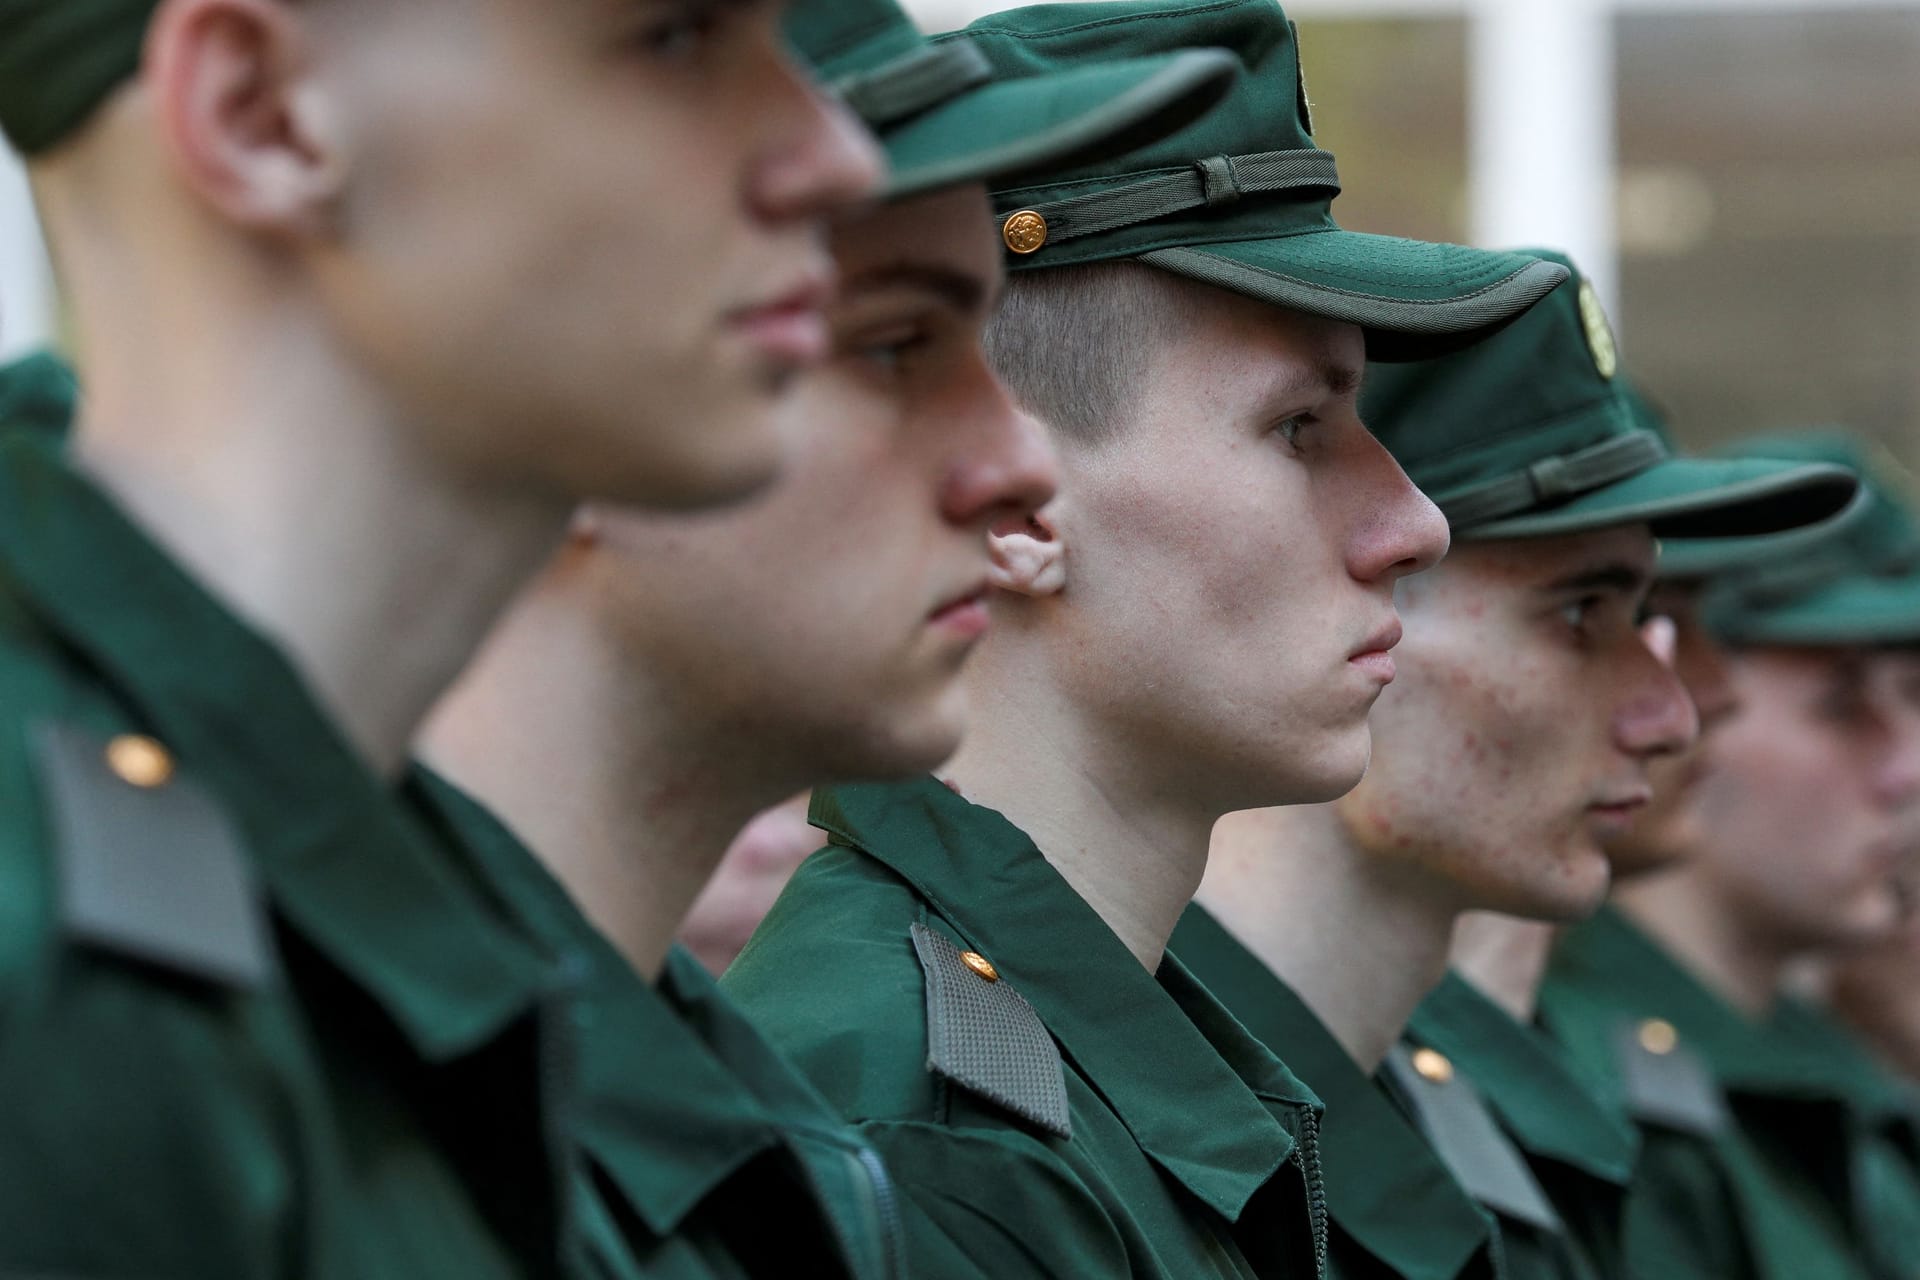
(1684,558)
(1058,120)
(1415,299)
(1696,498)
(1853,611)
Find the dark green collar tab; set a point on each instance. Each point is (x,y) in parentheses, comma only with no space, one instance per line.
(1387,1190)
(60,59)
(1664,1082)
(1534,433)
(985,1038)
(1455,1118)
(914,81)
(1180,1081)
(1240,197)
(149,864)
(1540,1103)
(344,862)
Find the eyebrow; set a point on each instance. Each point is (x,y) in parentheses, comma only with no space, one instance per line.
(964,293)
(1621,576)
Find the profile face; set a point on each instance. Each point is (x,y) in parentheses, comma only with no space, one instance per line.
(1519,735)
(1231,551)
(583,245)
(1810,803)
(829,620)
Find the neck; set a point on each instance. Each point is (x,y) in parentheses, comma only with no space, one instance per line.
(1505,957)
(1686,915)
(1102,817)
(277,475)
(628,798)
(1360,938)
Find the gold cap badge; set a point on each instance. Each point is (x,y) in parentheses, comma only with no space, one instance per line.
(1024,231)
(1593,318)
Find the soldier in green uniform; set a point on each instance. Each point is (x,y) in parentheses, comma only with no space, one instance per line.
(1773,1147)
(358,336)
(974,972)
(1517,731)
(669,674)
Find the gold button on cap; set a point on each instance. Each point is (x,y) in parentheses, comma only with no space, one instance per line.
(139,761)
(1432,1065)
(980,965)
(1024,231)
(1657,1035)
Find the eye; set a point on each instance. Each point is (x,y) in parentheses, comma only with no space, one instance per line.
(1579,614)
(1291,429)
(883,351)
(686,29)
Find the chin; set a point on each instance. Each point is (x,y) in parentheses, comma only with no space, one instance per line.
(1585,876)
(1328,774)
(897,747)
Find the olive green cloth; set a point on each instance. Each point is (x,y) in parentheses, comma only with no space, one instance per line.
(60,59)
(1396,1209)
(1742,1173)
(255,1019)
(953,112)
(1534,433)
(1860,586)
(1139,1132)
(1580,1150)
(1240,199)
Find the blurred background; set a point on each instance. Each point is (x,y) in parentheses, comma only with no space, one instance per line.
(1740,177)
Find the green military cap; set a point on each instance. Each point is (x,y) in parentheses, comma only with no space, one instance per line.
(1859,586)
(1532,433)
(946,113)
(1693,559)
(59,59)
(1240,199)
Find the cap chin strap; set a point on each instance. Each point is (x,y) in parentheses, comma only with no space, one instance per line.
(1550,479)
(1208,183)
(911,83)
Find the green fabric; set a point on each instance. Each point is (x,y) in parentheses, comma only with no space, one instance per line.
(1525,412)
(1189,1139)
(960,110)
(727,1159)
(1396,1209)
(1860,585)
(60,59)
(1763,1198)
(1581,1150)
(381,1110)
(38,393)
(1278,245)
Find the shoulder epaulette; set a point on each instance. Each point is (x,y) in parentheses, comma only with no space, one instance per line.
(1664,1082)
(148,864)
(984,1037)
(1455,1119)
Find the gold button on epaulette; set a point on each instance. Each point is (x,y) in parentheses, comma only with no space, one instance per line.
(980,965)
(1024,231)
(1432,1065)
(1657,1035)
(139,761)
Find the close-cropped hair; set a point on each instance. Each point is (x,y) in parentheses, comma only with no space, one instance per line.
(1075,344)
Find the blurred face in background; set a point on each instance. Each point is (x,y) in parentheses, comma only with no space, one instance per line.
(757,866)
(1671,826)
(1808,810)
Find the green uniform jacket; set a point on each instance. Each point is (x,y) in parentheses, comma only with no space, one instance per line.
(1740,1172)
(1397,1211)
(1046,1106)
(1578,1151)
(1882,1133)
(254,1019)
(709,1155)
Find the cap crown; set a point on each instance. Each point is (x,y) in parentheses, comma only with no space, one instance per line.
(1248,169)
(1530,416)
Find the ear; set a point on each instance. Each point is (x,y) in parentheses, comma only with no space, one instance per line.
(1029,556)
(249,129)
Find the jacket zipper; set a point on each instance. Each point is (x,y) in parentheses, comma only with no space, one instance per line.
(1309,1153)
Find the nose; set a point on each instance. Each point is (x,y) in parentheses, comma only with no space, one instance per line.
(1001,463)
(1897,778)
(1400,531)
(1657,716)
(1702,667)
(817,158)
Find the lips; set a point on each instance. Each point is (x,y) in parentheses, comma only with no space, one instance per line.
(791,327)
(1381,641)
